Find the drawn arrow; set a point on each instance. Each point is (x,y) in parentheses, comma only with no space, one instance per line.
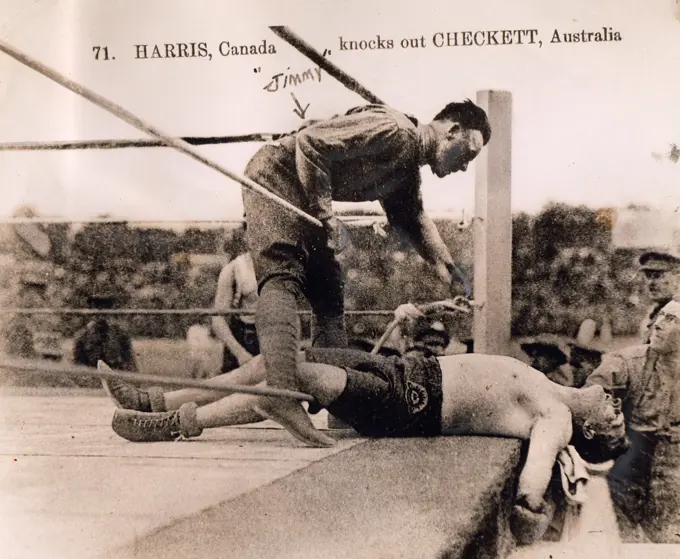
(299,111)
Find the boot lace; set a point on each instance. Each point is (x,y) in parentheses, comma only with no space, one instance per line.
(169,420)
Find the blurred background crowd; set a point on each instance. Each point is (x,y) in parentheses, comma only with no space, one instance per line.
(565,271)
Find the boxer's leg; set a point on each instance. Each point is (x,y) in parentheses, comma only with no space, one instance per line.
(128,396)
(277,245)
(324,382)
(250,373)
(325,292)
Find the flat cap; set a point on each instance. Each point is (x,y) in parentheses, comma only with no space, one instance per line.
(659,260)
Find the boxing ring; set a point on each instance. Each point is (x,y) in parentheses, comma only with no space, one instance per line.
(448,525)
(492,224)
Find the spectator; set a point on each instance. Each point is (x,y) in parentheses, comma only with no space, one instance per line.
(237,289)
(645,482)
(103,339)
(662,275)
(33,335)
(424,334)
(201,345)
(585,353)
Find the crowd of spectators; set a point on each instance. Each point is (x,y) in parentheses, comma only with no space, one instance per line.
(564,272)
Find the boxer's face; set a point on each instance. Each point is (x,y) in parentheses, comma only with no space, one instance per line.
(605,417)
(455,148)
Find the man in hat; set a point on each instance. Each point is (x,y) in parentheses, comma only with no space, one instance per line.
(585,352)
(101,338)
(645,483)
(662,276)
(430,339)
(583,360)
(370,153)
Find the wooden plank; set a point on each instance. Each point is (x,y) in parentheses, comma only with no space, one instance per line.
(426,498)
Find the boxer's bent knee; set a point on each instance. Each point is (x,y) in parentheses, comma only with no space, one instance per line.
(280,262)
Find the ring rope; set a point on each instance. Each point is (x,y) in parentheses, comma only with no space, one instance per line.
(180,144)
(133,120)
(137,143)
(192,311)
(352,219)
(46,368)
(315,56)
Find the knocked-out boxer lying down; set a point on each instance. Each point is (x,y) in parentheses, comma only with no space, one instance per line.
(405,396)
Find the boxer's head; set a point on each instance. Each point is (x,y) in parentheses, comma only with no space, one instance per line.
(461,131)
(599,434)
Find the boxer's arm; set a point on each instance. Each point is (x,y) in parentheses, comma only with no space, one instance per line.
(224,297)
(405,212)
(532,513)
(343,138)
(432,242)
(550,434)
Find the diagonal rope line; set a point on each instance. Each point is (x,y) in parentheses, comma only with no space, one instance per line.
(45,368)
(138,143)
(133,120)
(315,56)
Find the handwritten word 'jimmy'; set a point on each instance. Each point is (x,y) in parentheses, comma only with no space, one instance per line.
(284,80)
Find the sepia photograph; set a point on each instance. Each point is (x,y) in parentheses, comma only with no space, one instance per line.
(370,279)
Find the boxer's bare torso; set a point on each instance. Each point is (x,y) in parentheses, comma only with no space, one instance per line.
(501,396)
(496,395)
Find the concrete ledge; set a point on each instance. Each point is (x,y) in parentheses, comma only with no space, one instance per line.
(447,497)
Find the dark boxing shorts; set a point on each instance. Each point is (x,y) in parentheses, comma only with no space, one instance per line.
(386,396)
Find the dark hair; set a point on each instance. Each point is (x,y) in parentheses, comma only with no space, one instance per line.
(469,116)
(601,448)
